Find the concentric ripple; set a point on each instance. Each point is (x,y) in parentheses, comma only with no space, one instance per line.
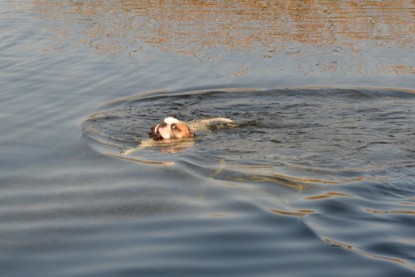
(327,136)
(343,159)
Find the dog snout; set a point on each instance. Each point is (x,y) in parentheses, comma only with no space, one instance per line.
(154,133)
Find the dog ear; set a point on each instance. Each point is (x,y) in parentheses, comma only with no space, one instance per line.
(171,120)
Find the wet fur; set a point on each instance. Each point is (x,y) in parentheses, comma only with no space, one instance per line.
(180,144)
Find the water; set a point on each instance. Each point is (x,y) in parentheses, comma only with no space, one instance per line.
(310,181)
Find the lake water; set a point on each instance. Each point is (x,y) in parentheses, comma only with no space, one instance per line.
(315,177)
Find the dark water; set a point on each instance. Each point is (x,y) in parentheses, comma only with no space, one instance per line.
(308,182)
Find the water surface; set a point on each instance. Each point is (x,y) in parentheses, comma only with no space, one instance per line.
(310,181)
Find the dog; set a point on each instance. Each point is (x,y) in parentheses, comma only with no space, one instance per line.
(174,135)
(171,128)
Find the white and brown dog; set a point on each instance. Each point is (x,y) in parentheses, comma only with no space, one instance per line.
(171,128)
(175,135)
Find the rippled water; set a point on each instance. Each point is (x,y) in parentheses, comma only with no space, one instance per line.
(323,156)
(307,182)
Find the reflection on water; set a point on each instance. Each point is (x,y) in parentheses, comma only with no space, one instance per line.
(349,37)
(310,182)
(240,24)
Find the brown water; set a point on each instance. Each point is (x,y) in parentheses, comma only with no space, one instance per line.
(309,182)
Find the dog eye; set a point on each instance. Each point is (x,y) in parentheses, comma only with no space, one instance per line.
(174,127)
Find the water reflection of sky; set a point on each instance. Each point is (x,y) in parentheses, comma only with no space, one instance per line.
(320,39)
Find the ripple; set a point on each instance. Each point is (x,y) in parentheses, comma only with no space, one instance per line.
(343,135)
(335,159)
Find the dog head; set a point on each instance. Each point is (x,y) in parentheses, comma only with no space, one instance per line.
(171,128)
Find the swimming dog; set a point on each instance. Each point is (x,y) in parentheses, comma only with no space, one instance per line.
(171,128)
(175,135)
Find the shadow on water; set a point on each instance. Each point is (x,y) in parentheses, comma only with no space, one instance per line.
(322,150)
